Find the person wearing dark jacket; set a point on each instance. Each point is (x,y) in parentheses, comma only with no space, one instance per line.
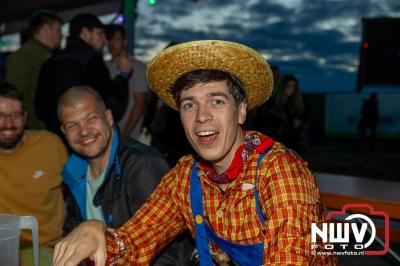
(107,179)
(81,63)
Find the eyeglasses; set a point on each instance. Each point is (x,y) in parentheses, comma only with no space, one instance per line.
(16,116)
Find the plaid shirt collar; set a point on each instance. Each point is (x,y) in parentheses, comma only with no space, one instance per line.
(253,142)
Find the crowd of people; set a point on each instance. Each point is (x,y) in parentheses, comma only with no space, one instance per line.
(208,189)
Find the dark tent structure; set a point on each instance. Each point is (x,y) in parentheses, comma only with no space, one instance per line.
(14,14)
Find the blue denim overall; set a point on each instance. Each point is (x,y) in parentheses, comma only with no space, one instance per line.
(244,255)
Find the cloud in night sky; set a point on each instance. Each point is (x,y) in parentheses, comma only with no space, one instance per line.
(318,40)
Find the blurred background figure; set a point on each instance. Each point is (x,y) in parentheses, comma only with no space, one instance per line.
(276,72)
(30,165)
(81,63)
(291,109)
(265,120)
(25,35)
(369,120)
(166,129)
(24,64)
(132,121)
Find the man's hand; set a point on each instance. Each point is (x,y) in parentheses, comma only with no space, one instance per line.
(85,241)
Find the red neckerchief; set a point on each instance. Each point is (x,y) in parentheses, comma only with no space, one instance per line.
(260,143)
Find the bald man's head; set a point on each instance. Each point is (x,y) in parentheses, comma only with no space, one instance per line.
(78,94)
(85,122)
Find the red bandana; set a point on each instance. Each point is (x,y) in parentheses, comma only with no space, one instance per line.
(260,143)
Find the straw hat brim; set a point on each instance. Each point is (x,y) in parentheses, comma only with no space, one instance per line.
(243,62)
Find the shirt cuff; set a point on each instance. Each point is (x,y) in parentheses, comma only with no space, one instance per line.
(116,248)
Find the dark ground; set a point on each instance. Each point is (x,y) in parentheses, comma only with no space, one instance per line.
(346,156)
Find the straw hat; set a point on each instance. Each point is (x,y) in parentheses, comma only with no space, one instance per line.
(243,62)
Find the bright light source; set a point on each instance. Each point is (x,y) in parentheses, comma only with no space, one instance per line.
(120,19)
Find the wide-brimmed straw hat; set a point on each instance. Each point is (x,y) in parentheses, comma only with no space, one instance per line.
(237,59)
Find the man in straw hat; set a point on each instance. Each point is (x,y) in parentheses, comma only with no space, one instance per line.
(246,199)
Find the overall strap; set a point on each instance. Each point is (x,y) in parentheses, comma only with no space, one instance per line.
(259,209)
(196,201)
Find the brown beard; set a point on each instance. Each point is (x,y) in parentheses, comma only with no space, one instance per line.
(9,144)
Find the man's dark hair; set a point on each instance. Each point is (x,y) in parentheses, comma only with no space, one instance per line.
(84,20)
(111,29)
(7,90)
(190,79)
(42,17)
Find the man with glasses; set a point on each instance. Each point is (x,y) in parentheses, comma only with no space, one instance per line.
(81,63)
(30,166)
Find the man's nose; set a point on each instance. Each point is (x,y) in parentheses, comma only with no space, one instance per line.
(203,114)
(83,129)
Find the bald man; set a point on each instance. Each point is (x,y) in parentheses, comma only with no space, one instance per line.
(117,177)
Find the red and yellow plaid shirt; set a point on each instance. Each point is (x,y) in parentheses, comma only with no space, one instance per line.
(289,198)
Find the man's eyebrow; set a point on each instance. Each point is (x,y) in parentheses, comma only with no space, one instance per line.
(92,113)
(223,94)
(86,117)
(191,98)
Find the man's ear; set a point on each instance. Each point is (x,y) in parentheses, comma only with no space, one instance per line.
(46,29)
(84,34)
(109,117)
(62,129)
(242,112)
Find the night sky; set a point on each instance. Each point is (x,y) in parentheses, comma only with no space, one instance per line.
(316,40)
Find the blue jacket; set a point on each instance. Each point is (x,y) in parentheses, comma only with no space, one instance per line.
(132,175)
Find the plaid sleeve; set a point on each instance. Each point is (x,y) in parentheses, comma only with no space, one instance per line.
(290,200)
(153,226)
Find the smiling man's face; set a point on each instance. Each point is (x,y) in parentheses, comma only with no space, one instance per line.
(87,127)
(211,120)
(12,122)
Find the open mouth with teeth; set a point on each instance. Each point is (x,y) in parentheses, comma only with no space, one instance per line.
(7,131)
(207,137)
(87,140)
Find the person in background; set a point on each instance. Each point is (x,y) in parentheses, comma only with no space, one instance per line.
(266,120)
(292,109)
(246,199)
(25,35)
(30,165)
(131,122)
(107,178)
(81,63)
(369,120)
(167,133)
(24,64)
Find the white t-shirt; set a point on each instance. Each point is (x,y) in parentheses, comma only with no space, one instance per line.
(93,212)
(137,83)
